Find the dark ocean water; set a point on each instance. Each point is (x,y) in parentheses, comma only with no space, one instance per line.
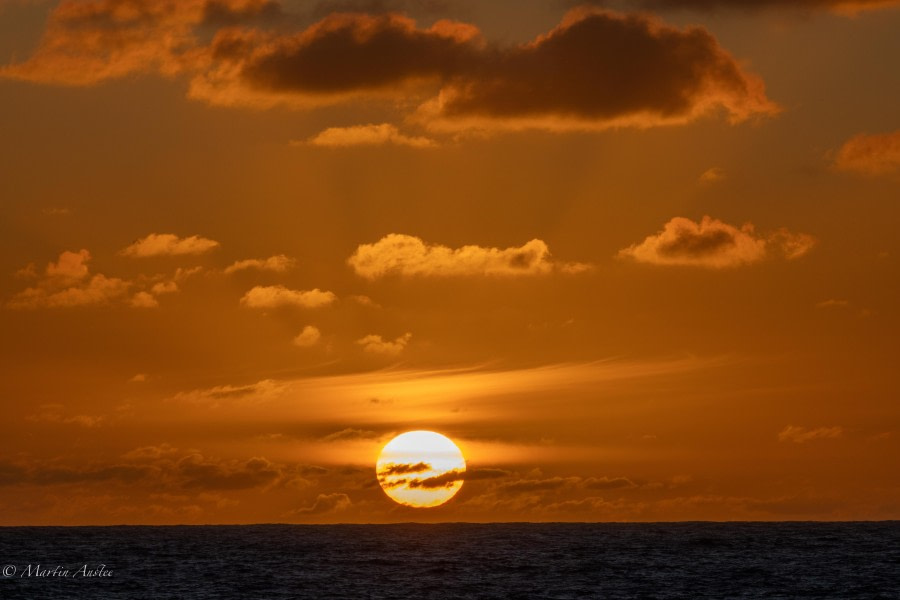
(527,561)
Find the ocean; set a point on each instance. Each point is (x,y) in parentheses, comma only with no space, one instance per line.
(455,560)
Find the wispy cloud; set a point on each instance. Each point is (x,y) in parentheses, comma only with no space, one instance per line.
(278,263)
(367,135)
(168,244)
(870,154)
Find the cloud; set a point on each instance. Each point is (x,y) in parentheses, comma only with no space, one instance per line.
(608,483)
(341,56)
(350,434)
(801,435)
(403,469)
(196,471)
(600,69)
(533,485)
(716,245)
(485,473)
(374,344)
(90,41)
(870,154)
(325,503)
(139,378)
(848,7)
(168,244)
(367,135)
(597,69)
(67,283)
(308,337)
(144,300)
(55,413)
(71,266)
(254,393)
(278,264)
(406,255)
(275,296)
(438,481)
(712,175)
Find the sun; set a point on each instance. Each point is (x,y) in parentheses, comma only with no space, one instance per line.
(420,469)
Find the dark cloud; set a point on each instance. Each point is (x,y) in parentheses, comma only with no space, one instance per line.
(597,69)
(198,472)
(348,53)
(846,6)
(438,481)
(534,485)
(350,434)
(477,474)
(600,69)
(12,474)
(401,469)
(608,483)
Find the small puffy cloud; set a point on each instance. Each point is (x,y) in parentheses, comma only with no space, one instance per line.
(67,283)
(139,378)
(169,244)
(274,296)
(144,300)
(870,154)
(70,266)
(278,264)
(801,435)
(368,135)
(325,503)
(716,245)
(310,336)
(374,344)
(406,255)
(364,301)
(712,175)
(164,287)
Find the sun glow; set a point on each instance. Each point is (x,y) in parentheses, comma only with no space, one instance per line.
(420,469)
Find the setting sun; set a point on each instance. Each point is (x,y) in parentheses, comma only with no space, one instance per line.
(420,469)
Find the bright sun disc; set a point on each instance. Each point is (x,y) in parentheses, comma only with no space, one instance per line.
(420,468)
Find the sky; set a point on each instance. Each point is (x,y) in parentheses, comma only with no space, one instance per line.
(638,259)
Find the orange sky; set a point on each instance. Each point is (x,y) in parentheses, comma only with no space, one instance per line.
(638,259)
